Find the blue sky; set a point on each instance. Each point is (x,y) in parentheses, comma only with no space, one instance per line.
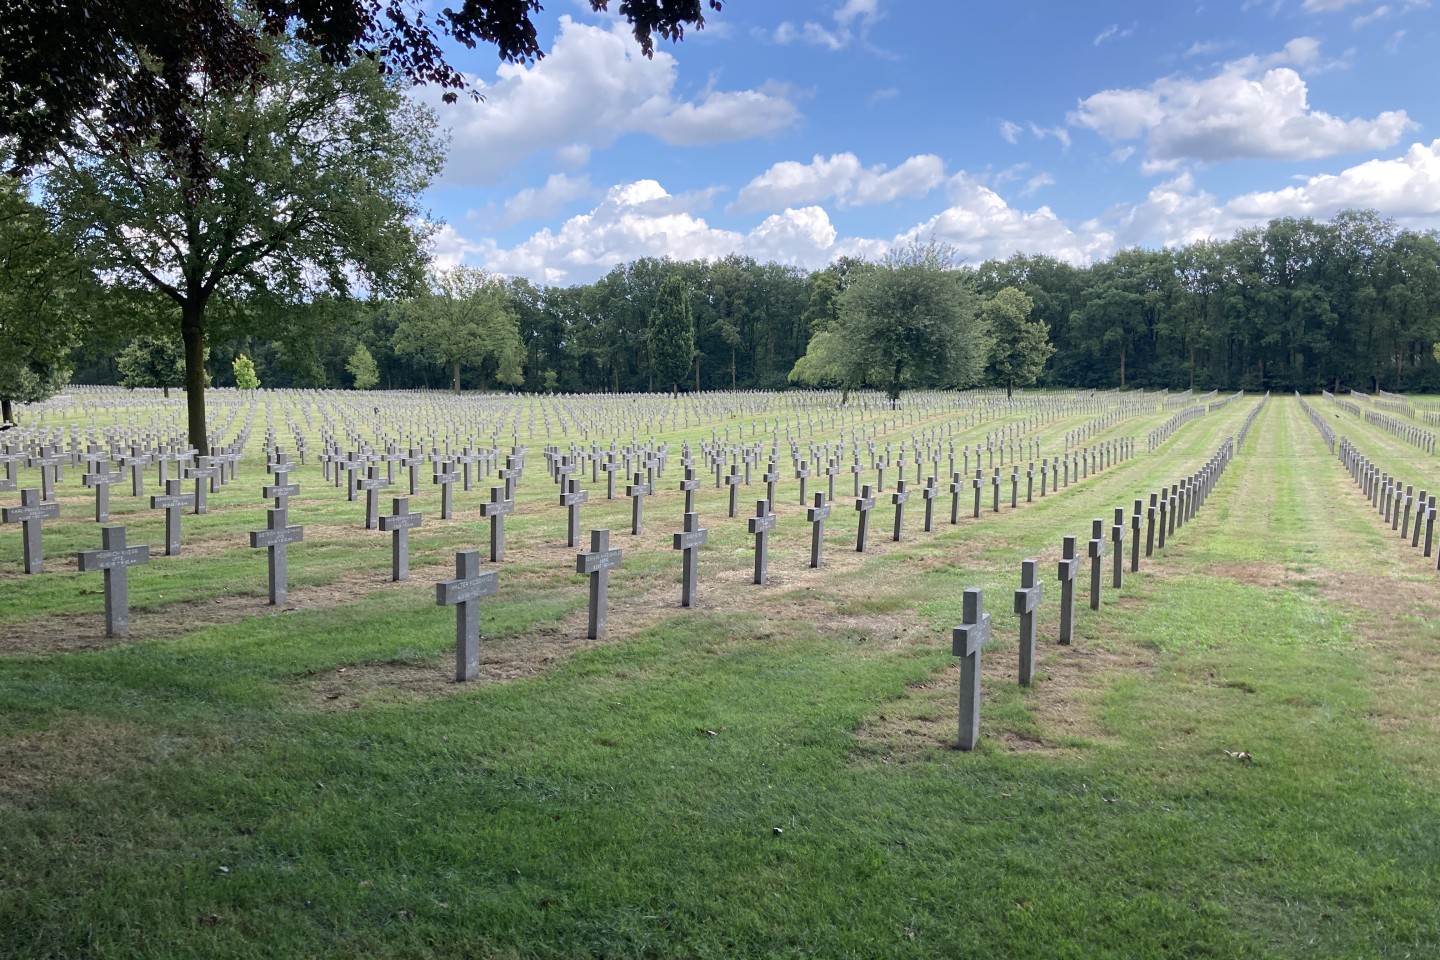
(802,131)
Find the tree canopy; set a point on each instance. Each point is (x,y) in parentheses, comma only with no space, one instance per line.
(1019,346)
(911,320)
(463,319)
(141,74)
(43,293)
(671,334)
(317,194)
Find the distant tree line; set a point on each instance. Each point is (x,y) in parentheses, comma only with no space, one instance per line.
(1297,304)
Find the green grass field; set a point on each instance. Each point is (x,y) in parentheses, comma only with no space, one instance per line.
(770,775)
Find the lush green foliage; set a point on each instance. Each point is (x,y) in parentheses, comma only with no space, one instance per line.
(43,291)
(244,369)
(671,334)
(463,319)
(314,192)
(154,361)
(361,365)
(910,321)
(1019,346)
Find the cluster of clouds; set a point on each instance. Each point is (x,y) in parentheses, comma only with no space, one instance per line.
(594,88)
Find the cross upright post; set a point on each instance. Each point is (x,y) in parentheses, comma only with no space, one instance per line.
(446,476)
(1027,600)
(100,481)
(1135,536)
(571,500)
(597,564)
(928,492)
(1097,555)
(30,514)
(967,640)
(1069,568)
(817,516)
(689,485)
(863,505)
(899,498)
(637,492)
(1117,547)
(760,526)
(732,480)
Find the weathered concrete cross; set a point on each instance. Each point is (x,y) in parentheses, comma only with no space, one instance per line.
(277,537)
(399,524)
(597,564)
(495,512)
(863,505)
(967,640)
(571,499)
(760,526)
(30,514)
(1068,569)
(689,542)
(173,501)
(1027,600)
(817,516)
(464,593)
(114,557)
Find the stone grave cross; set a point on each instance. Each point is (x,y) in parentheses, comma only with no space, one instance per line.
(967,640)
(114,557)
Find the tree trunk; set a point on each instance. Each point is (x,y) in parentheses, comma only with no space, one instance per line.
(7,410)
(732,368)
(1009,389)
(455,376)
(697,372)
(192,331)
(165,391)
(1122,368)
(894,391)
(845,395)
(1192,368)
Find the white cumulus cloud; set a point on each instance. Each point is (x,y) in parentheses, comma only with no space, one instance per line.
(592,88)
(840,177)
(1253,108)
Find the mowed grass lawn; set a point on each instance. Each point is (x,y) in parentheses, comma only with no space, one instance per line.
(769,775)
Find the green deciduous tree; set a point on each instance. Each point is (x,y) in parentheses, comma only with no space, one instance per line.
(910,321)
(1019,345)
(671,334)
(362,368)
(43,292)
(245,377)
(153,362)
(313,191)
(463,319)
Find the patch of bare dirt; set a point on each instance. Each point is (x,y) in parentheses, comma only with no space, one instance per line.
(74,748)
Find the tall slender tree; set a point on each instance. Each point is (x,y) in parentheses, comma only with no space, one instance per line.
(671,333)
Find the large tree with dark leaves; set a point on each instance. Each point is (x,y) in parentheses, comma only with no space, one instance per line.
(134,64)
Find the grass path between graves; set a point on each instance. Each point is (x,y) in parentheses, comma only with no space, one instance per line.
(770,775)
